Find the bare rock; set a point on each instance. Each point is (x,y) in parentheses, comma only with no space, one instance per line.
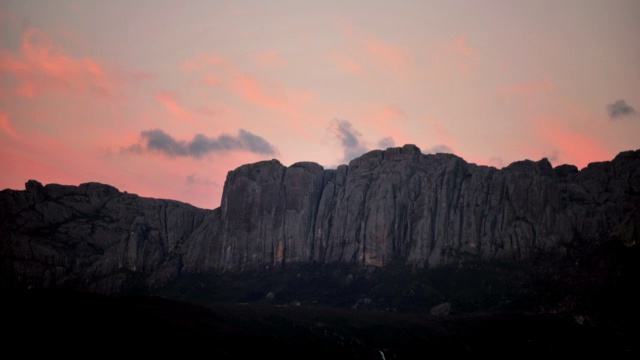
(441,309)
(387,205)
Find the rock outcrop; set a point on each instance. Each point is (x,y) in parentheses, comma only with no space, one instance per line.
(387,205)
(427,210)
(94,237)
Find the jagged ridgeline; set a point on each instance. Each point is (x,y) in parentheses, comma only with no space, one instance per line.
(388,206)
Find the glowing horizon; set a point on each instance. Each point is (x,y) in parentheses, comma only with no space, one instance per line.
(162,98)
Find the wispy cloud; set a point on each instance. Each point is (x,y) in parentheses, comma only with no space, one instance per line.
(453,58)
(206,61)
(386,142)
(269,58)
(620,109)
(170,102)
(5,125)
(345,63)
(459,46)
(224,74)
(212,81)
(197,179)
(552,156)
(368,55)
(394,58)
(41,66)
(439,149)
(157,140)
(570,147)
(350,139)
(497,162)
(253,91)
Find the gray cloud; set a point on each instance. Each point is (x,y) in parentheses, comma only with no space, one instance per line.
(620,109)
(255,143)
(200,145)
(160,141)
(195,179)
(497,162)
(350,139)
(386,142)
(552,156)
(439,149)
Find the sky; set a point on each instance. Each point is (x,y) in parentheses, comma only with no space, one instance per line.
(163,98)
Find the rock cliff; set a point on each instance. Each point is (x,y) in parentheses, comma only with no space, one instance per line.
(387,205)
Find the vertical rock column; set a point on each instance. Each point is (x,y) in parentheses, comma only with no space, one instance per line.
(253,202)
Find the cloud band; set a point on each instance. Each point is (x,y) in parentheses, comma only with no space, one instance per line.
(159,141)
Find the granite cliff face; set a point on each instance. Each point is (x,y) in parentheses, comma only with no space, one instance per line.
(427,210)
(391,205)
(94,237)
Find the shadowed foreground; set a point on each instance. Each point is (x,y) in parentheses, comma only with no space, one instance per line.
(62,323)
(580,305)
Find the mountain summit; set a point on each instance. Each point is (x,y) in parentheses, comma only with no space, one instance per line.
(387,206)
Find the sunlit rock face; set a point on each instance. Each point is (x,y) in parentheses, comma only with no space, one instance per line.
(269,213)
(387,205)
(426,210)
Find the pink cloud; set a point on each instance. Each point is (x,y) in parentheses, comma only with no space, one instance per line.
(458,46)
(220,74)
(143,76)
(442,134)
(389,113)
(269,95)
(453,58)
(393,58)
(19,168)
(218,71)
(170,102)
(211,111)
(60,101)
(389,121)
(190,180)
(368,52)
(5,125)
(274,97)
(573,148)
(47,159)
(300,96)
(345,62)
(204,62)
(43,67)
(212,81)
(269,58)
(253,91)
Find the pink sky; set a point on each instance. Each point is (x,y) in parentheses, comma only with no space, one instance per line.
(163,98)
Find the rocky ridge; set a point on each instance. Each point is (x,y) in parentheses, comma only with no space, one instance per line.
(387,205)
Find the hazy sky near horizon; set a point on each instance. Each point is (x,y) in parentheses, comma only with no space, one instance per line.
(163,98)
